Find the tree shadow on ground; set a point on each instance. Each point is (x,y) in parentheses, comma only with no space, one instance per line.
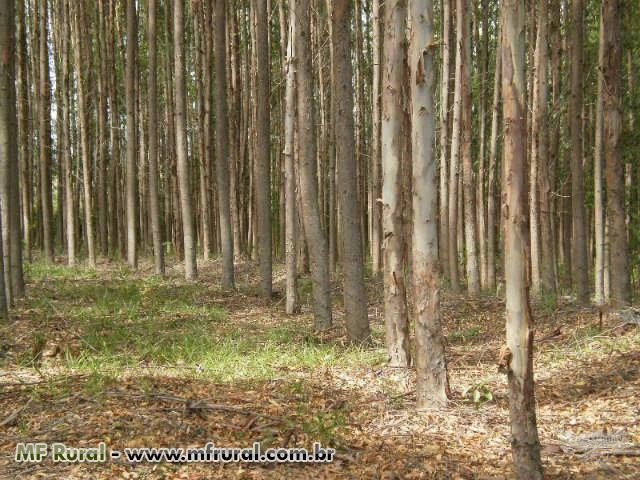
(166,411)
(163,363)
(584,380)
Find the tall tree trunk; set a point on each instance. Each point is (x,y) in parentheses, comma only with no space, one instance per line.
(7,156)
(546,171)
(375,216)
(556,157)
(493,156)
(315,236)
(79,22)
(393,113)
(456,140)
(263,160)
(188,229)
(355,299)
(470,237)
(208,217)
(292,304)
(539,72)
(632,168)
(360,125)
(432,383)
(236,135)
(579,231)
(10,201)
(518,357)
(4,303)
(482,29)
(24,131)
(599,208)
(444,135)
(154,200)
(543,274)
(8,148)
(612,127)
(143,212)
(115,233)
(65,140)
(329,208)
(132,167)
(201,32)
(44,133)
(101,162)
(222,146)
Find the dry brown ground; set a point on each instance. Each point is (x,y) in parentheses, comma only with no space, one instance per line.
(587,380)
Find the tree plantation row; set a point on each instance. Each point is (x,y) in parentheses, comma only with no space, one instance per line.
(487,146)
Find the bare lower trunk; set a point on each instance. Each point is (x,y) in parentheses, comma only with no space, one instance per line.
(393,113)
(222,146)
(355,299)
(84,133)
(263,158)
(612,128)
(470,237)
(188,230)
(375,215)
(432,383)
(236,137)
(292,304)
(543,275)
(518,355)
(154,200)
(539,72)
(132,166)
(491,180)
(579,232)
(481,28)
(201,67)
(8,145)
(316,240)
(443,242)
(556,154)
(24,133)
(102,128)
(456,141)
(4,304)
(546,169)
(598,186)
(44,132)
(115,233)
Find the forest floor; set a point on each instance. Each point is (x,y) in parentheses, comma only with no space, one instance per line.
(132,360)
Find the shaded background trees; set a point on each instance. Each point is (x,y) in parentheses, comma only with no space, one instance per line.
(77,108)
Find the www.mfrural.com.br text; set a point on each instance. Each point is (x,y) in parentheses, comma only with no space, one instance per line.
(209,453)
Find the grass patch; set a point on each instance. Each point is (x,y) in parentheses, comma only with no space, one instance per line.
(96,383)
(327,427)
(124,321)
(466,335)
(44,270)
(590,341)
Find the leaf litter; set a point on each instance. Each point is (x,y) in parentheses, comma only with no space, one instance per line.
(587,386)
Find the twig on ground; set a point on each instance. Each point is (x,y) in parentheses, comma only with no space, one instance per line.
(14,415)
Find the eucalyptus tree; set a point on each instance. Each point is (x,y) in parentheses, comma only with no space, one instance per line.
(517,358)
(432,383)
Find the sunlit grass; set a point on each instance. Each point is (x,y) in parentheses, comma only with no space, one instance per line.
(58,271)
(124,321)
(587,341)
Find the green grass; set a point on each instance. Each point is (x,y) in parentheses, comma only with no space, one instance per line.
(119,321)
(57,271)
(464,336)
(588,341)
